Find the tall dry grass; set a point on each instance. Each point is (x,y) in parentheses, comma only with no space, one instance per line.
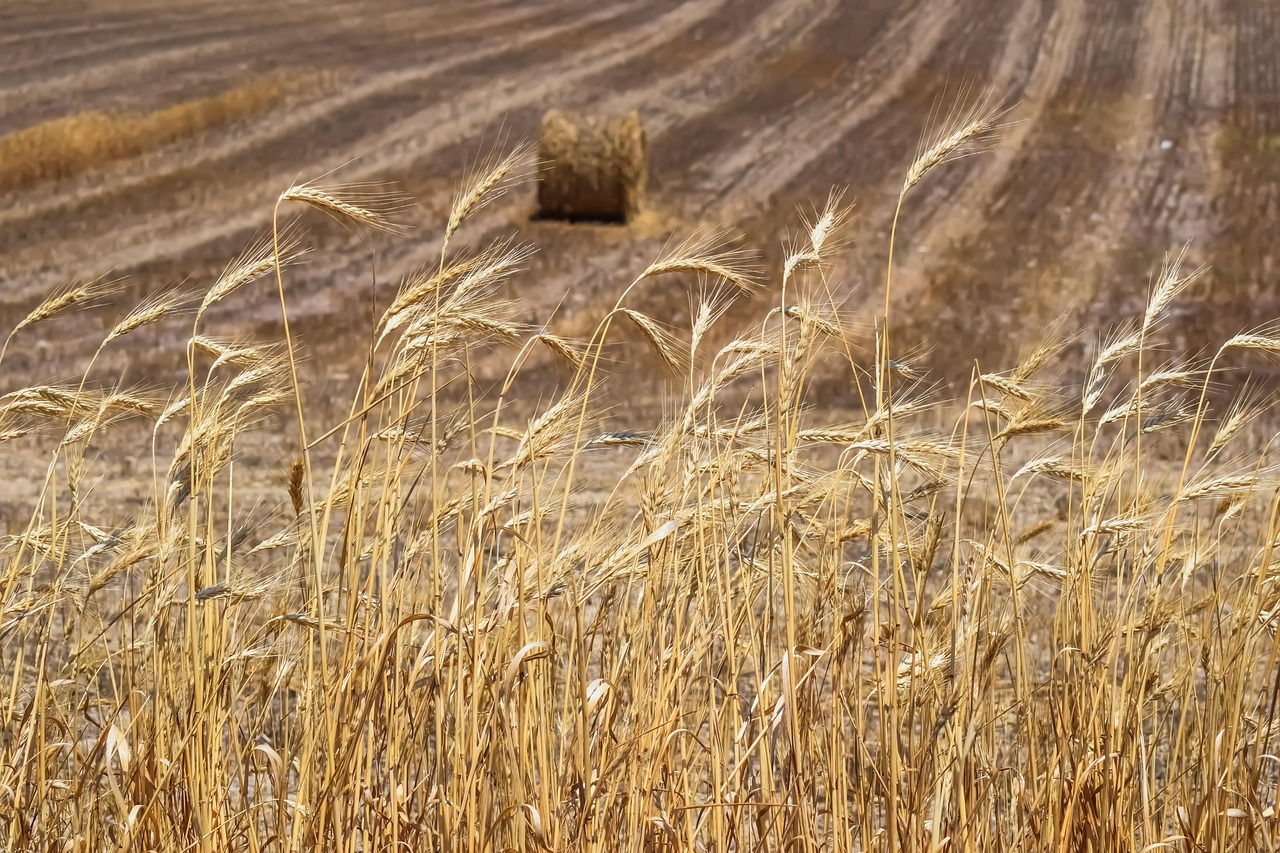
(1041,617)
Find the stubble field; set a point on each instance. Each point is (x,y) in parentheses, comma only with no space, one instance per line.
(1140,125)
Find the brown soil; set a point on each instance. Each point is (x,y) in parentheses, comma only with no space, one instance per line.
(1141,124)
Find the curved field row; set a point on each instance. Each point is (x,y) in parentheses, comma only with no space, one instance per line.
(1135,126)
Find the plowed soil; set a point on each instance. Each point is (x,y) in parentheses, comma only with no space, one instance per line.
(1139,125)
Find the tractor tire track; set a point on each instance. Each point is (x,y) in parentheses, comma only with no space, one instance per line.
(1025,261)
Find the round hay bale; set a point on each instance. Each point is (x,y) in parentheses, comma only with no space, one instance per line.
(594,167)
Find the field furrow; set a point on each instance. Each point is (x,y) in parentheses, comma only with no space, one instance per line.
(1132,127)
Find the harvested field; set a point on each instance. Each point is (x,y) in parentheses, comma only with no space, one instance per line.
(1139,126)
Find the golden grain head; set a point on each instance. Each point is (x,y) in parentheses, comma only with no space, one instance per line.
(256,261)
(1259,342)
(170,302)
(574,355)
(671,352)
(709,254)
(1169,284)
(370,205)
(492,179)
(966,131)
(1246,406)
(79,294)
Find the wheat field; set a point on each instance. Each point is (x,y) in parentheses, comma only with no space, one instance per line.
(1041,615)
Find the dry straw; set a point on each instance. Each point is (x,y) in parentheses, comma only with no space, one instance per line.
(593,167)
(67,146)
(517,616)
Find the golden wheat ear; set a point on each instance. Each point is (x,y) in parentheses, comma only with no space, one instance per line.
(1169,284)
(372,205)
(258,259)
(169,302)
(1265,339)
(1248,404)
(571,353)
(711,254)
(76,294)
(823,235)
(433,294)
(967,129)
(668,348)
(494,177)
